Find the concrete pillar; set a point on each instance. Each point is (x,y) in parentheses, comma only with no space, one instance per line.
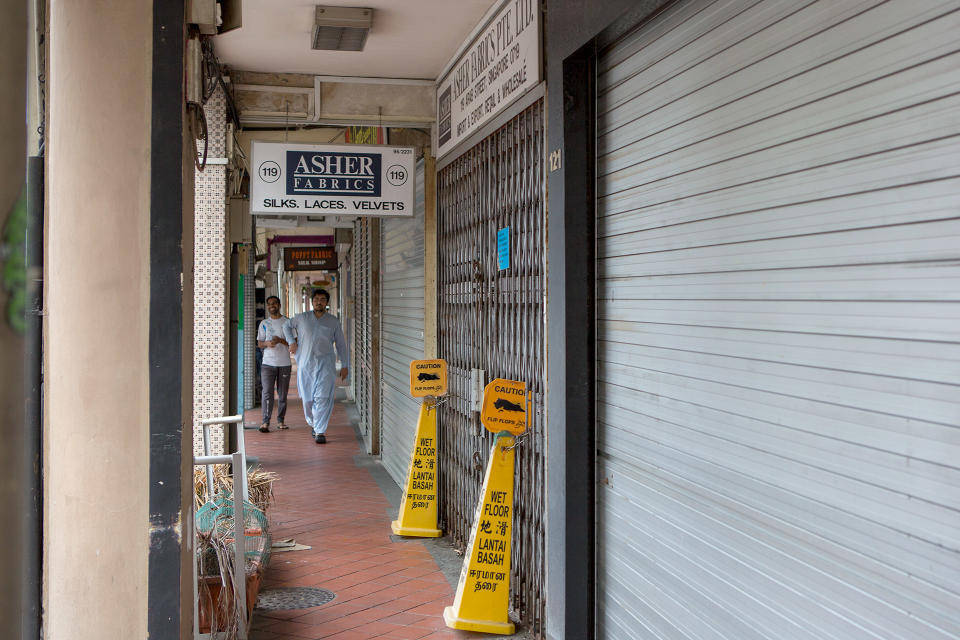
(211,322)
(97,464)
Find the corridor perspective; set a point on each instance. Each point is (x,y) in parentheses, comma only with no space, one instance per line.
(636,319)
(333,498)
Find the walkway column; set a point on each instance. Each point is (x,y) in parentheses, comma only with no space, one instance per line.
(112,345)
(211,320)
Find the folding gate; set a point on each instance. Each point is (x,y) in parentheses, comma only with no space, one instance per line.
(493,320)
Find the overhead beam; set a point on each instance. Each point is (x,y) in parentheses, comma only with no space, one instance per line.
(281,100)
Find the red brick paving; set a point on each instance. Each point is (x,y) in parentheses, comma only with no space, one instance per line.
(384,590)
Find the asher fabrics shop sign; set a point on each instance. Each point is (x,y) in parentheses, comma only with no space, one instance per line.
(343,180)
(501,63)
(333,174)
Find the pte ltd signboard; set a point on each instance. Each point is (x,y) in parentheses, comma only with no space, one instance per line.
(325,179)
(309,259)
(498,66)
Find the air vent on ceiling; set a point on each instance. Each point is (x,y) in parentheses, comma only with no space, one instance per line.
(341,28)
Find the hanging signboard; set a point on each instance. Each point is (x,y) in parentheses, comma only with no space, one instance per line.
(428,378)
(325,179)
(418,508)
(498,66)
(360,134)
(309,259)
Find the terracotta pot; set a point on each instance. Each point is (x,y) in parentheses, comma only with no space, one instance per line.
(217,591)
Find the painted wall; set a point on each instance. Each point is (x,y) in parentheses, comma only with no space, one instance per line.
(13,48)
(97,299)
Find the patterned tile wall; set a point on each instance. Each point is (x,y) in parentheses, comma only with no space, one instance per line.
(210,322)
(249,334)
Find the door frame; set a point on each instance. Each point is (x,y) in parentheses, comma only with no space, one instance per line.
(575,31)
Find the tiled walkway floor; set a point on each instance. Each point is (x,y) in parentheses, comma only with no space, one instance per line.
(383,589)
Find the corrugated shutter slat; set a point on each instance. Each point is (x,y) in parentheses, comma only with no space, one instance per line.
(402,309)
(778,328)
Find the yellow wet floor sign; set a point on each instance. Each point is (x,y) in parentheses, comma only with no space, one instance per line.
(484,588)
(483,592)
(418,507)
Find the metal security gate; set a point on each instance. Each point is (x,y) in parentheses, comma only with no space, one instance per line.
(365,377)
(779,323)
(494,320)
(402,311)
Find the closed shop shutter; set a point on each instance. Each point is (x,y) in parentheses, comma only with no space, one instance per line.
(779,323)
(362,370)
(401,331)
(493,319)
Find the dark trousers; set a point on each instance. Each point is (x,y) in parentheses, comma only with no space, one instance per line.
(269,375)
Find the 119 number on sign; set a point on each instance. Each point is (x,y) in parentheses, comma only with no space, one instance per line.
(396,175)
(269,171)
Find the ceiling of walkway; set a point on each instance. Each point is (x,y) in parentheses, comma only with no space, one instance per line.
(409,38)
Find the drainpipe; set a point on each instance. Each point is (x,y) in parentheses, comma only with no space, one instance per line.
(33,386)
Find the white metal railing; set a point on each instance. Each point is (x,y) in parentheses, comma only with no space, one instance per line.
(238,461)
(241,449)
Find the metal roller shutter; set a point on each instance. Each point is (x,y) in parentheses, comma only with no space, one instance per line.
(402,311)
(779,323)
(364,371)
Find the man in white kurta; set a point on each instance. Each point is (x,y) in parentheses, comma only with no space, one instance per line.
(312,336)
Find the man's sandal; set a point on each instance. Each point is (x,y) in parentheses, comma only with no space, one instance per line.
(282,426)
(264,428)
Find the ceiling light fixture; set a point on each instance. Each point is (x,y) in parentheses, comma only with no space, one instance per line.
(341,28)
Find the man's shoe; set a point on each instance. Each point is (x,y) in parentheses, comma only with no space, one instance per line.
(320,439)
(264,428)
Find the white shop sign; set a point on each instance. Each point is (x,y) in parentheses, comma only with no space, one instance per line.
(327,179)
(501,63)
